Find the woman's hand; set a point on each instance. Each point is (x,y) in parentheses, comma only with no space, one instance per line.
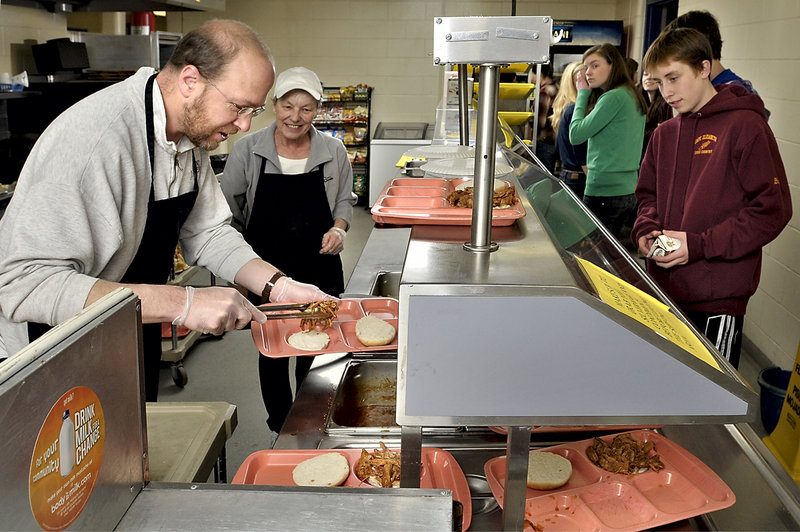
(580,80)
(333,241)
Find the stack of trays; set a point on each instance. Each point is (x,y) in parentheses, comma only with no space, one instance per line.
(409,201)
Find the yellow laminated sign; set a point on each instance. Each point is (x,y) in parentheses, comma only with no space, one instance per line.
(784,442)
(647,310)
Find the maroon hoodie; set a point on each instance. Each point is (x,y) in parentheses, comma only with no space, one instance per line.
(717,175)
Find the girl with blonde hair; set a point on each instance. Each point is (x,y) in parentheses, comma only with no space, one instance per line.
(573,157)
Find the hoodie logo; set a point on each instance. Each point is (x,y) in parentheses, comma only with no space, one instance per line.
(704,144)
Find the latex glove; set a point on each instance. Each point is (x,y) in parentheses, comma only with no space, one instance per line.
(678,257)
(287,290)
(217,309)
(333,241)
(646,242)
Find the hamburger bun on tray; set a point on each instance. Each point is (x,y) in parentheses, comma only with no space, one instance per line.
(309,340)
(547,471)
(329,469)
(372,331)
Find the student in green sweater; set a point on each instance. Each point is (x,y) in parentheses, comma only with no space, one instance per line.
(609,115)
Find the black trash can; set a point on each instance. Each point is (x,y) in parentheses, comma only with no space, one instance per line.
(773,382)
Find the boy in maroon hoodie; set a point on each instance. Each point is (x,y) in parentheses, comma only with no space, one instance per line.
(712,179)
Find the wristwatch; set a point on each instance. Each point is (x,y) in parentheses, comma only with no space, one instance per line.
(270,285)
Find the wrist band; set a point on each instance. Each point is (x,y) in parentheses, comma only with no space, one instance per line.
(270,285)
(180,320)
(339,231)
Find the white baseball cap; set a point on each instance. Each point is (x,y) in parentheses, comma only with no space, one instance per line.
(298,78)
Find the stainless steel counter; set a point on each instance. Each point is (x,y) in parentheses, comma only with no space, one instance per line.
(384,252)
(171,506)
(767,497)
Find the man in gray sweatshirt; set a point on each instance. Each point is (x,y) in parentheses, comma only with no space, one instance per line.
(119,178)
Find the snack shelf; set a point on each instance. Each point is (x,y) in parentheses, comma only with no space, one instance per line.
(326,122)
(345,113)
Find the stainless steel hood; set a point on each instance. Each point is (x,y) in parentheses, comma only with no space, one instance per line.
(67,6)
(527,335)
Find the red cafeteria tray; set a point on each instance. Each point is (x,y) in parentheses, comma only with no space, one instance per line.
(271,338)
(273,467)
(424,201)
(595,499)
(166,331)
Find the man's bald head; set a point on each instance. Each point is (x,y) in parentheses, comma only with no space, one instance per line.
(215,44)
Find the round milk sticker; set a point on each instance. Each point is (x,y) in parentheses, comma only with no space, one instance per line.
(66,459)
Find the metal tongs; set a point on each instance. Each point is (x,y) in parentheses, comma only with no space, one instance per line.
(281,312)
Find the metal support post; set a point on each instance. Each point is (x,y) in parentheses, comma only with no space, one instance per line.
(410,456)
(464,99)
(485,146)
(517,448)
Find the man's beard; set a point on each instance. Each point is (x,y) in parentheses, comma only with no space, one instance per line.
(196,124)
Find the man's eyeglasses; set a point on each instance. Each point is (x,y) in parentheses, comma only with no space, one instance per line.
(240,111)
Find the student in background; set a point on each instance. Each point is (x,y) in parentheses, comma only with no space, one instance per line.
(633,68)
(609,115)
(573,157)
(657,110)
(713,180)
(707,24)
(545,136)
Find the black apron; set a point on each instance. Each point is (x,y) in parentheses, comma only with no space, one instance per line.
(290,214)
(153,261)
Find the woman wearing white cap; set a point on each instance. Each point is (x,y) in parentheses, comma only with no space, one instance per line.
(290,189)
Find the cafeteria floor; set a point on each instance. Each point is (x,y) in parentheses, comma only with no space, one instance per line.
(224,368)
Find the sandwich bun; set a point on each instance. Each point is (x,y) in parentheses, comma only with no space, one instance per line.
(309,340)
(372,331)
(547,471)
(499,185)
(329,469)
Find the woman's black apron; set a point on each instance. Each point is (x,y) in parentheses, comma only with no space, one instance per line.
(153,261)
(289,216)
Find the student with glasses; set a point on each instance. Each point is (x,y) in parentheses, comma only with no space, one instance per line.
(118,179)
(290,189)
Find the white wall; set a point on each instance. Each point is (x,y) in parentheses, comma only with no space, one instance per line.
(20,23)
